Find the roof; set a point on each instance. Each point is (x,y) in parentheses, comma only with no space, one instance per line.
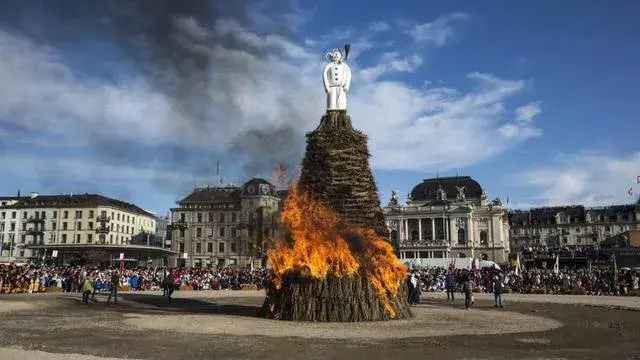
(427,190)
(207,195)
(69,201)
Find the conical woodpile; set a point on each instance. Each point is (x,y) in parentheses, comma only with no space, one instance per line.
(335,170)
(335,263)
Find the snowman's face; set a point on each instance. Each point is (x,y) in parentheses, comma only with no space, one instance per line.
(335,55)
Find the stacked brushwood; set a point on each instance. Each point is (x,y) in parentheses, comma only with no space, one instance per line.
(336,172)
(333,299)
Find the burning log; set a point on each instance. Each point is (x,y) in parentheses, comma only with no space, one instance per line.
(336,263)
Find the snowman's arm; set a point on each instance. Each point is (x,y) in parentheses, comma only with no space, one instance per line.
(347,77)
(325,78)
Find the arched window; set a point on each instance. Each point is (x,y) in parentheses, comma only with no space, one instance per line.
(483,238)
(461,237)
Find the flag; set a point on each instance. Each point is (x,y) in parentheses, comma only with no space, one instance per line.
(516,264)
(630,192)
(615,268)
(218,168)
(556,266)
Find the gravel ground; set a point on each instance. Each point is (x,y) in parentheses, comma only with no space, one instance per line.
(427,322)
(122,331)
(628,302)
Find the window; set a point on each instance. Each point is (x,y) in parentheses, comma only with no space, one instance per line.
(181,247)
(221,247)
(89,238)
(78,238)
(79,214)
(43,214)
(462,237)
(222,217)
(79,226)
(198,232)
(234,247)
(199,217)
(64,225)
(210,247)
(198,247)
(90,225)
(424,254)
(182,218)
(3,215)
(65,214)
(211,217)
(221,233)
(233,232)
(181,232)
(234,217)
(64,239)
(13,226)
(13,214)
(90,214)
(483,238)
(24,226)
(24,214)
(55,214)
(23,238)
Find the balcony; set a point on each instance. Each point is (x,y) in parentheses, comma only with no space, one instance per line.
(103,219)
(103,230)
(178,225)
(34,232)
(35,220)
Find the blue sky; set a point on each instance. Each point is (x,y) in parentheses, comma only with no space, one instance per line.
(535,100)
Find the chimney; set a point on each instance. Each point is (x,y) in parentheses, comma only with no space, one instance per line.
(33,195)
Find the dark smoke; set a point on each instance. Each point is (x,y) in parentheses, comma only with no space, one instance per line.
(164,41)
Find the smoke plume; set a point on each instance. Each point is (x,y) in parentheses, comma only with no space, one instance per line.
(190,61)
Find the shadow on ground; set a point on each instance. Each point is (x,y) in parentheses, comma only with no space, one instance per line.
(157,304)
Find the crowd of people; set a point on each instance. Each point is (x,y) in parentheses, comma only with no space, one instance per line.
(30,279)
(597,281)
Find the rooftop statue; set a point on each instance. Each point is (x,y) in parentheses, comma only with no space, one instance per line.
(336,77)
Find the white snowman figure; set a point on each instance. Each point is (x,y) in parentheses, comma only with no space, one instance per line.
(337,80)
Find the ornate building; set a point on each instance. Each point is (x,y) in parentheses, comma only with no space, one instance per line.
(448,217)
(31,227)
(571,226)
(225,225)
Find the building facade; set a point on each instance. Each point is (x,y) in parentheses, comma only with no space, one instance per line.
(570,226)
(225,225)
(67,219)
(448,217)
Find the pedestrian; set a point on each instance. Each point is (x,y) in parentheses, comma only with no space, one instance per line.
(497,290)
(87,290)
(450,283)
(115,281)
(467,288)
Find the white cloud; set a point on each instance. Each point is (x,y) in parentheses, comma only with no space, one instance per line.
(379,26)
(589,178)
(436,32)
(528,112)
(410,127)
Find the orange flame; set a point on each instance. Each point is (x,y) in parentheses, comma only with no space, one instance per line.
(322,244)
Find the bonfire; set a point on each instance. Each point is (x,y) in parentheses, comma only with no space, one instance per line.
(328,270)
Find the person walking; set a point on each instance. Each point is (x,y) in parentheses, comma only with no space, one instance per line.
(87,290)
(115,281)
(497,290)
(467,288)
(450,283)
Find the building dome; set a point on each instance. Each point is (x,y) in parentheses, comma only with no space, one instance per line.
(428,189)
(258,187)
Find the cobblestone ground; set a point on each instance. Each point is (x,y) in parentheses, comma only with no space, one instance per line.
(222,325)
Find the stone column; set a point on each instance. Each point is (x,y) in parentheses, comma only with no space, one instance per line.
(407,236)
(433,229)
(420,229)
